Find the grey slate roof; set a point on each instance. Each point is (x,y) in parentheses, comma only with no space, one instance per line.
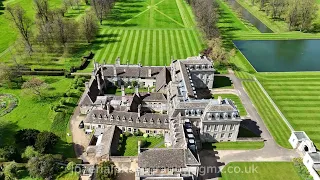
(190,159)
(197,60)
(104,147)
(162,158)
(163,78)
(130,119)
(315,156)
(162,178)
(132,71)
(185,76)
(153,97)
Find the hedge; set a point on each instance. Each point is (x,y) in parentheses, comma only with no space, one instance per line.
(49,69)
(44,73)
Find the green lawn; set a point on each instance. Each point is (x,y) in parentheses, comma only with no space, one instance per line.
(237,101)
(31,113)
(264,171)
(148,31)
(130,147)
(297,96)
(239,145)
(270,116)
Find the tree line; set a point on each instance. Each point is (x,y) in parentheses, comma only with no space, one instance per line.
(299,14)
(53,30)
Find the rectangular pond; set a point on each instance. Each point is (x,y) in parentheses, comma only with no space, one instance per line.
(281,55)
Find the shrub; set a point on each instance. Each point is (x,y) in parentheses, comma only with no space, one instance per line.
(71,166)
(145,135)
(127,134)
(138,133)
(46,141)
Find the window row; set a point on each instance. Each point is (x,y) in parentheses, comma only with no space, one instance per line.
(224,127)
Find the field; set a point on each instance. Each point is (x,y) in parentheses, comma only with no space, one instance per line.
(37,114)
(260,171)
(270,116)
(151,32)
(297,96)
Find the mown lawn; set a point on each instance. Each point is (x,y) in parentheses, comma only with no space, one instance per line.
(270,116)
(236,100)
(239,145)
(37,114)
(297,96)
(151,32)
(259,171)
(131,144)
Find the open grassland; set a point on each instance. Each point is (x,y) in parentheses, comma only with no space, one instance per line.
(297,96)
(270,116)
(151,32)
(37,114)
(264,171)
(236,100)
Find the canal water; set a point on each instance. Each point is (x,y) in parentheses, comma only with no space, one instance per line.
(249,17)
(281,55)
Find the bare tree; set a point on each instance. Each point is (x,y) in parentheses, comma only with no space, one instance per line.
(65,30)
(89,27)
(35,86)
(23,23)
(100,8)
(308,12)
(42,9)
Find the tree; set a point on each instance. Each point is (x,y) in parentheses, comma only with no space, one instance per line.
(26,137)
(35,86)
(23,23)
(308,12)
(42,9)
(45,141)
(30,152)
(42,166)
(9,153)
(106,171)
(7,75)
(10,171)
(65,30)
(217,52)
(100,8)
(89,27)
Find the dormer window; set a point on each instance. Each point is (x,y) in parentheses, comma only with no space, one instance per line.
(138,119)
(100,116)
(166,121)
(111,118)
(118,118)
(151,120)
(94,115)
(123,118)
(158,121)
(145,120)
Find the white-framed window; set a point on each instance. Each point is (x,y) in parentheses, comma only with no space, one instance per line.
(232,126)
(162,169)
(216,128)
(222,135)
(215,135)
(178,169)
(224,127)
(204,128)
(147,131)
(230,135)
(213,127)
(170,169)
(208,128)
(155,132)
(129,129)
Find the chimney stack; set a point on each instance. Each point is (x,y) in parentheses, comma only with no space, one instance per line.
(149,72)
(139,110)
(137,90)
(115,71)
(139,146)
(99,83)
(148,89)
(219,99)
(108,108)
(123,94)
(118,61)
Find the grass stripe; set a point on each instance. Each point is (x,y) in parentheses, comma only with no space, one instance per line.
(113,54)
(173,45)
(154,48)
(122,44)
(141,45)
(187,45)
(146,57)
(134,47)
(128,49)
(161,49)
(191,43)
(179,43)
(109,45)
(166,44)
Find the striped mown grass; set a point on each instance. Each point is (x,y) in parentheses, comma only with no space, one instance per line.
(270,116)
(151,32)
(297,96)
(148,46)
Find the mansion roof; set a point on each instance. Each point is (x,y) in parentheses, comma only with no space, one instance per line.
(132,71)
(166,158)
(123,118)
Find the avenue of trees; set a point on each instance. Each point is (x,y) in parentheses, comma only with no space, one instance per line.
(49,28)
(298,14)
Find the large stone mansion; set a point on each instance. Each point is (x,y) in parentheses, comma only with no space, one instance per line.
(174,108)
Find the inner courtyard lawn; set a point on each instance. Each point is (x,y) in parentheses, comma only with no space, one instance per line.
(264,171)
(38,114)
(297,96)
(129,146)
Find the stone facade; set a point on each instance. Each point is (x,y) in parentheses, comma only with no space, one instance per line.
(173,109)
